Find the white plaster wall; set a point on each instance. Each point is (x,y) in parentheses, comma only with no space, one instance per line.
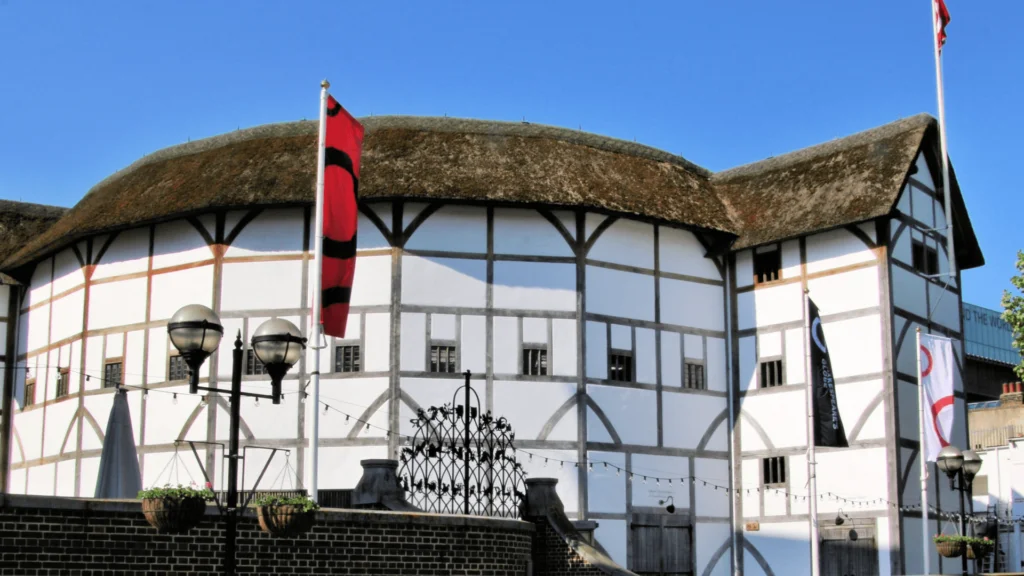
(908,292)
(177,242)
(527,232)
(444,281)
(632,412)
(681,253)
(506,345)
(671,359)
(564,355)
(765,409)
(127,254)
(854,290)
(621,294)
(606,491)
(535,286)
(849,350)
(452,229)
(790,259)
(473,355)
(414,342)
(378,335)
(688,417)
(945,307)
(769,305)
(651,492)
(646,357)
(611,534)
(246,283)
(273,232)
(744,268)
(783,546)
(835,249)
(67,316)
(597,350)
(712,502)
(39,286)
(173,290)
(67,273)
(625,242)
(691,304)
(531,405)
(709,537)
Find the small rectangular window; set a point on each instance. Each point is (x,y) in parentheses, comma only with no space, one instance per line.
(112,374)
(693,378)
(63,382)
(620,366)
(535,361)
(767,266)
(177,369)
(346,359)
(442,359)
(30,392)
(774,470)
(924,258)
(771,373)
(253,366)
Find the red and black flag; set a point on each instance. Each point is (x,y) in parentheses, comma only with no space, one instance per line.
(941,21)
(343,146)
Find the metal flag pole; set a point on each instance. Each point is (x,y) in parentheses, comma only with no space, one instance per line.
(318,255)
(946,185)
(924,461)
(811,464)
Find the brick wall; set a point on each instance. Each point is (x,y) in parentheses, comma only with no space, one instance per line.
(46,535)
(553,557)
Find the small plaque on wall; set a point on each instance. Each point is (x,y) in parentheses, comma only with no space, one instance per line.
(753,526)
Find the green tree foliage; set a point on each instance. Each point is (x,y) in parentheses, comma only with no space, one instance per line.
(1013,312)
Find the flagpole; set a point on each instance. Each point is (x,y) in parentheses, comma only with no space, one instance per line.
(924,461)
(946,185)
(318,255)
(811,464)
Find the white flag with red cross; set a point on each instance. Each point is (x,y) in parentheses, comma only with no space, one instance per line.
(937,383)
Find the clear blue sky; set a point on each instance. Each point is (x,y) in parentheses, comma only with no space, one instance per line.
(87,87)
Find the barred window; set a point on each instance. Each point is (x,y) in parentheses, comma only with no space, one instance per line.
(177,369)
(30,392)
(620,366)
(63,382)
(771,373)
(767,266)
(346,359)
(694,376)
(253,366)
(112,374)
(925,258)
(442,359)
(535,361)
(774,470)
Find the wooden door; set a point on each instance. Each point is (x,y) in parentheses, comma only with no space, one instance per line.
(848,552)
(661,544)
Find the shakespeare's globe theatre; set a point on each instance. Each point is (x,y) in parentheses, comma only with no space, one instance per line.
(611,300)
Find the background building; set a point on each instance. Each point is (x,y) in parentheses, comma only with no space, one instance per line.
(637,318)
(988,344)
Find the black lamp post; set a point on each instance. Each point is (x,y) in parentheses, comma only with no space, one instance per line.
(196,332)
(963,466)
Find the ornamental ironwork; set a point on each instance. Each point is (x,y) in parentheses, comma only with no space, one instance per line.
(463,460)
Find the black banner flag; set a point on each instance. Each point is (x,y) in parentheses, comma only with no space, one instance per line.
(828,425)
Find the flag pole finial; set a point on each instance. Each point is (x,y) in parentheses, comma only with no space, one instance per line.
(324,83)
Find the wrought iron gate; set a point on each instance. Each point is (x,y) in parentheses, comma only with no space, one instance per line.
(463,460)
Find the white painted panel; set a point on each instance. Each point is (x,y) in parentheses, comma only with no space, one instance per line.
(854,401)
(626,242)
(340,467)
(444,281)
(563,349)
(115,345)
(67,316)
(770,305)
(633,413)
(99,407)
(37,327)
(59,417)
(782,545)
(622,337)
(442,326)
(534,286)
(39,286)
(691,304)
(371,285)
(529,406)
(769,345)
(791,259)
(623,294)
(369,236)
(747,377)
(687,418)
(765,409)
(133,358)
(94,362)
(453,229)
(682,253)
(173,290)
(671,363)
(906,360)
(923,206)
(855,345)
(902,249)
(41,479)
(646,357)
(65,479)
(795,362)
(67,271)
(177,242)
(606,489)
(597,350)
(527,232)
(945,306)
(834,249)
(714,369)
(117,303)
(709,536)
(535,330)
(409,212)
(127,254)
(854,290)
(596,429)
(414,345)
(869,483)
(474,344)
(506,345)
(378,340)
(650,492)
(744,268)
(693,347)
(353,396)
(166,416)
(903,204)
(711,502)
(276,231)
(261,285)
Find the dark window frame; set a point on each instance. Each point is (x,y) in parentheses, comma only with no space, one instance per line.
(923,257)
(63,382)
(29,394)
(535,360)
(621,367)
(444,358)
(767,266)
(253,366)
(173,370)
(109,382)
(774,472)
(771,372)
(694,375)
(353,362)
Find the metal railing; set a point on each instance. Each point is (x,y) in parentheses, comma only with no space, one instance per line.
(994,437)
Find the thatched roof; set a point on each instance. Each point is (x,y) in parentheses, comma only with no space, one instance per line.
(849,180)
(19,223)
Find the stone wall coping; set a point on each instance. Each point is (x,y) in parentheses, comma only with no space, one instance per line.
(326,515)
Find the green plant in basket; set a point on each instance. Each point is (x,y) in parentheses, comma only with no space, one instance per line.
(177,493)
(303,503)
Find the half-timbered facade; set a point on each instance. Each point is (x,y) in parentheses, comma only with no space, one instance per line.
(636,318)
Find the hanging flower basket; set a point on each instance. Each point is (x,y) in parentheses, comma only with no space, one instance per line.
(950,546)
(174,510)
(979,547)
(286,517)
